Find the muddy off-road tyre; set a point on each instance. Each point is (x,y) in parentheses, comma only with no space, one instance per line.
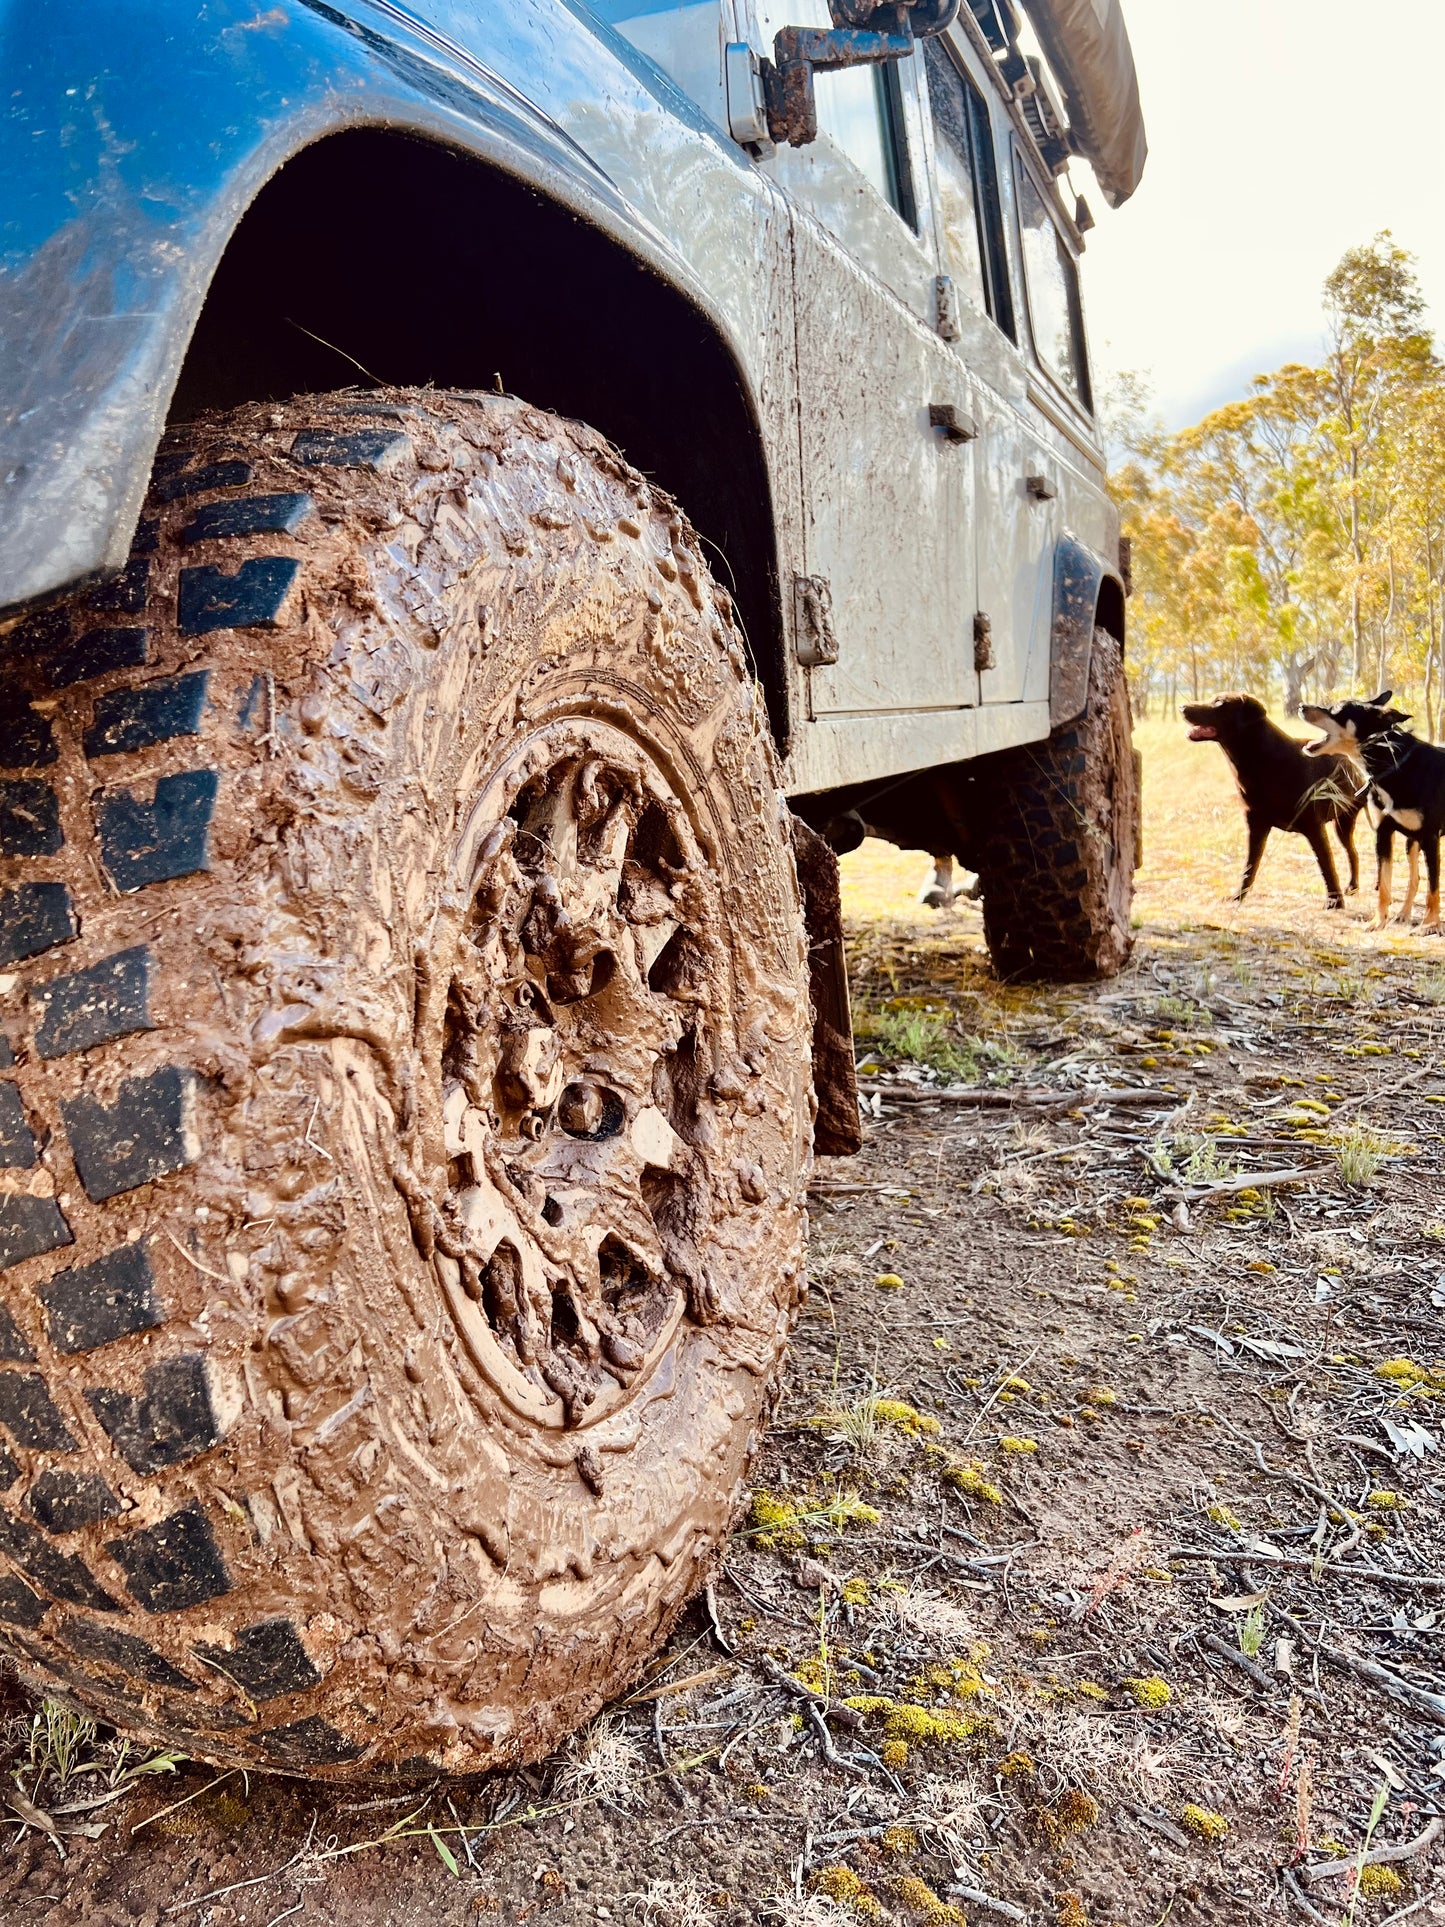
(405,1102)
(1063,840)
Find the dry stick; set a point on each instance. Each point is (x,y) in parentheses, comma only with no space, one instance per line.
(209,1787)
(257,1880)
(1147,1817)
(1377,1856)
(1223,1650)
(990,1099)
(1246,1181)
(1403,1913)
(1232,1555)
(976,1897)
(1012,1373)
(1416,1697)
(1296,1894)
(825,1740)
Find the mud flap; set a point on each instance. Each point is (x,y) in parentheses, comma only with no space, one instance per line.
(837,1131)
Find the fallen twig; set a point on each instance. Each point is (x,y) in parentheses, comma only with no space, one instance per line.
(1432,1705)
(1377,1856)
(825,1741)
(1407,1581)
(976,1897)
(1157,1822)
(1297,1895)
(1246,1181)
(1223,1650)
(991,1098)
(704,1678)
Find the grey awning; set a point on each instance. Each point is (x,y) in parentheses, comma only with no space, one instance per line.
(1087,45)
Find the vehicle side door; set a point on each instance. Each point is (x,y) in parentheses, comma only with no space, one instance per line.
(1013,475)
(887,497)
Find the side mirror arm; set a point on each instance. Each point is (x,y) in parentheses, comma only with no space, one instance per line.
(861,40)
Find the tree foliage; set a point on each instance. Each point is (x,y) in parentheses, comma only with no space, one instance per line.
(1293,542)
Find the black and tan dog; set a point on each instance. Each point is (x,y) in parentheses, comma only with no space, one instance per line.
(1406,792)
(1282,787)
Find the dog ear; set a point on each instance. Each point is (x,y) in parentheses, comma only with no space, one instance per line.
(1378,702)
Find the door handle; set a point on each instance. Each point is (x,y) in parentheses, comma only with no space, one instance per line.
(1039,488)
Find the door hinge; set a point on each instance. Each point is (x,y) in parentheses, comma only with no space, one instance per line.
(1039,488)
(746,104)
(813,639)
(956,423)
(945,307)
(982,641)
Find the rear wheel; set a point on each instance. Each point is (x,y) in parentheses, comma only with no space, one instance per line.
(1063,839)
(407,1113)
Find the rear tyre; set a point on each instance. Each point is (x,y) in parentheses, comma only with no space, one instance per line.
(406,1103)
(1057,863)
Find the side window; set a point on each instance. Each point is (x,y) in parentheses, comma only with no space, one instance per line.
(860,110)
(1051,280)
(968,187)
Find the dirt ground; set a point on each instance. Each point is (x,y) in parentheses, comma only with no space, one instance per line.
(1096,1567)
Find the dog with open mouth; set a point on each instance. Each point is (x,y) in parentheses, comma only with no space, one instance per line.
(1281,788)
(1405,781)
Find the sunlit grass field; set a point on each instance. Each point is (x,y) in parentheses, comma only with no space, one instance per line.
(1193,859)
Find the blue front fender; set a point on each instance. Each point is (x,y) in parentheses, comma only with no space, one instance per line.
(135,137)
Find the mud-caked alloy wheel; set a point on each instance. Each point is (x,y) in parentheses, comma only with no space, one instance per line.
(404,1104)
(1062,839)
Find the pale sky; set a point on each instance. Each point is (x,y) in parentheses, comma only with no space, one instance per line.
(1281,132)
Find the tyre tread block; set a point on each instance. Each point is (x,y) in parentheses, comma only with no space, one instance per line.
(30,1226)
(96,653)
(15,1347)
(173,1419)
(30,1415)
(29,818)
(66,1501)
(173,1565)
(360,448)
(110,1298)
(309,1742)
(252,598)
(26,739)
(249,515)
(149,713)
(19,1606)
(126,595)
(145,1134)
(89,1007)
(142,843)
(171,488)
(17,1140)
(126,1652)
(59,1572)
(34,918)
(265,1660)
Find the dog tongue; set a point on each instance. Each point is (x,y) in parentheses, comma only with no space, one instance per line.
(1202,733)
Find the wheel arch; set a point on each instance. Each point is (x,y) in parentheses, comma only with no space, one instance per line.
(1088,592)
(480,279)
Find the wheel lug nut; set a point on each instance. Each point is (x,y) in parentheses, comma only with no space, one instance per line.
(581,1109)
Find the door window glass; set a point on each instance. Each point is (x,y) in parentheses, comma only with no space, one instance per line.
(860,111)
(968,186)
(1052,280)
